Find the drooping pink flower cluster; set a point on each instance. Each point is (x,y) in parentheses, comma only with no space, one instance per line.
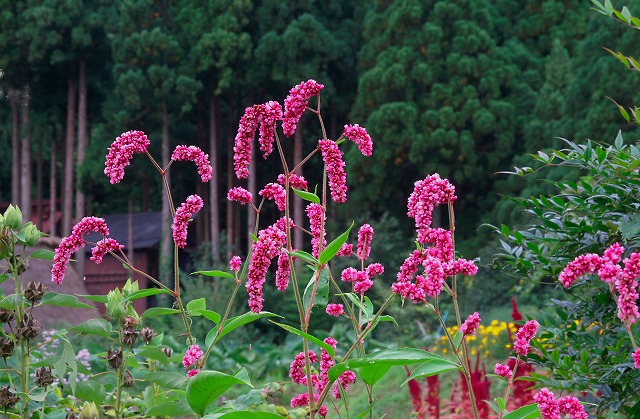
(365,235)
(103,247)
(470,325)
(524,336)
(75,241)
(193,372)
(121,152)
(552,408)
(270,241)
(318,380)
(194,154)
(316,218)
(608,269)
(437,261)
(295,181)
(636,358)
(276,193)
(362,280)
(359,135)
(504,371)
(263,116)
(296,103)
(235,263)
(332,157)
(191,357)
(191,206)
(283,271)
(335,310)
(239,194)
(345,250)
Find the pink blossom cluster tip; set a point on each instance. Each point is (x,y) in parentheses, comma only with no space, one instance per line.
(428,193)
(552,408)
(268,246)
(359,135)
(275,192)
(240,195)
(524,336)
(284,271)
(470,325)
(504,371)
(296,103)
(103,247)
(235,263)
(332,157)
(295,181)
(365,235)
(191,206)
(121,152)
(636,358)
(75,241)
(192,356)
(362,281)
(317,217)
(335,310)
(194,154)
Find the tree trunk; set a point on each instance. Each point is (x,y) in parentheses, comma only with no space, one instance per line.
(39,182)
(166,256)
(53,190)
(214,211)
(82,141)
(25,157)
(14,97)
(130,243)
(298,211)
(67,186)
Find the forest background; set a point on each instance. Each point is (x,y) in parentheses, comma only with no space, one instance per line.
(463,88)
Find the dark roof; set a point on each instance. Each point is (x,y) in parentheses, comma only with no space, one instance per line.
(147,229)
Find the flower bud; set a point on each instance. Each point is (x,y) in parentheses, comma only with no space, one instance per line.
(129,336)
(34,292)
(13,218)
(8,399)
(29,328)
(129,381)
(6,347)
(6,315)
(31,234)
(89,411)
(147,334)
(114,358)
(43,377)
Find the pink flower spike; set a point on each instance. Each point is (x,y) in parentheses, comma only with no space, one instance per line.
(547,403)
(103,247)
(191,206)
(242,147)
(345,250)
(295,181)
(270,241)
(470,325)
(335,310)
(121,152)
(504,371)
(193,355)
(192,373)
(75,241)
(296,103)
(276,193)
(374,269)
(332,157)
(365,234)
(194,154)
(235,263)
(283,272)
(524,336)
(239,194)
(428,193)
(270,112)
(359,135)
(316,219)
(571,406)
(584,264)
(636,358)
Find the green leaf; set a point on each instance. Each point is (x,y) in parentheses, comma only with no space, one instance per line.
(96,327)
(619,141)
(214,273)
(434,366)
(38,396)
(153,352)
(236,322)
(254,238)
(11,302)
(158,311)
(136,295)
(196,305)
(249,415)
(95,298)
(171,380)
(174,409)
(500,403)
(42,254)
(307,336)
(91,391)
(321,297)
(332,248)
(204,388)
(529,411)
(63,300)
(304,256)
(307,196)
(457,339)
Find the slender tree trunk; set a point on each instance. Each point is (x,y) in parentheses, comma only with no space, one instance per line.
(14,96)
(130,243)
(67,187)
(214,209)
(53,190)
(39,182)
(166,254)
(25,156)
(82,141)
(298,212)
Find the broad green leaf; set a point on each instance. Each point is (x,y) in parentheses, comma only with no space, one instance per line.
(97,327)
(222,274)
(63,300)
(153,352)
(304,256)
(321,297)
(332,248)
(236,322)
(529,411)
(11,302)
(145,293)
(174,409)
(366,307)
(171,380)
(196,305)
(209,315)
(34,396)
(95,298)
(91,391)
(307,196)
(204,388)
(158,311)
(432,367)
(307,336)
(42,254)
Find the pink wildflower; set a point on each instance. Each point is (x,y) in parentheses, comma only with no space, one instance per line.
(270,241)
(193,355)
(426,194)
(296,103)
(192,205)
(547,404)
(636,358)
(571,406)
(103,247)
(332,157)
(242,147)
(192,373)
(345,250)
(365,234)
(295,181)
(582,265)
(234,264)
(282,274)
(504,371)
(270,112)
(359,135)
(433,279)
(194,154)
(239,194)
(276,193)
(316,220)
(297,368)
(335,310)
(524,336)
(374,269)
(363,286)
(461,267)
(70,244)
(627,287)
(121,152)
(470,325)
